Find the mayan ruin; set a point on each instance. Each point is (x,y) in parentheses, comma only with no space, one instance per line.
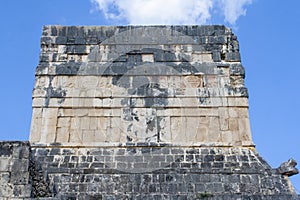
(140,112)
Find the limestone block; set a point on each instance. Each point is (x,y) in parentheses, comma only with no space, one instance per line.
(36,125)
(100,136)
(202,133)
(244,129)
(63,122)
(202,57)
(85,123)
(88,136)
(233,124)
(147,58)
(38,102)
(214,129)
(194,130)
(164,129)
(75,136)
(62,135)
(4,164)
(114,135)
(193,81)
(23,191)
(234,112)
(210,81)
(178,128)
(75,123)
(6,190)
(227,137)
(238,102)
(223,118)
(243,112)
(41,82)
(188,112)
(48,125)
(93,124)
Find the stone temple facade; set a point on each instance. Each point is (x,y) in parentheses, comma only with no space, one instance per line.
(140,112)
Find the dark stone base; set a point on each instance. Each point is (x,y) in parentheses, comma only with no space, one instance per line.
(138,172)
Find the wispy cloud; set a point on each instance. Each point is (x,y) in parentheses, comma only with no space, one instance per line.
(170,11)
(233,9)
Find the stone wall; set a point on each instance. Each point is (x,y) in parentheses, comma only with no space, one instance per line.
(159,172)
(140,112)
(144,171)
(14,170)
(164,84)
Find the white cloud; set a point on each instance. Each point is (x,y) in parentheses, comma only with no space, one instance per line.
(233,9)
(170,11)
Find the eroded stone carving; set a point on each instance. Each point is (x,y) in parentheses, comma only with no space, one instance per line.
(288,168)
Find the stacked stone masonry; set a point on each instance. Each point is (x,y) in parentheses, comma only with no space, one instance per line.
(140,112)
(165,84)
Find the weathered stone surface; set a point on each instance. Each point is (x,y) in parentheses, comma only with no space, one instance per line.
(145,74)
(288,168)
(14,175)
(140,112)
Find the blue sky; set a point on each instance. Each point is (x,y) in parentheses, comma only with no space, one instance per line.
(269,36)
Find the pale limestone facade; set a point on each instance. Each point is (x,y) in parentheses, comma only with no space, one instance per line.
(142,84)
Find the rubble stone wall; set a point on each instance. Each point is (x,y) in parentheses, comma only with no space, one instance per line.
(14,170)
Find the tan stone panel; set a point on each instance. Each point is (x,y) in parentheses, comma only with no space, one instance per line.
(227,137)
(119,92)
(96,112)
(88,136)
(204,119)
(243,112)
(202,133)
(97,103)
(101,136)
(178,128)
(72,112)
(234,112)
(38,102)
(93,123)
(193,81)
(75,123)
(210,81)
(114,134)
(147,58)
(38,92)
(64,122)
(187,112)
(41,82)
(164,129)
(214,130)
(223,118)
(62,135)
(201,57)
(238,102)
(35,129)
(244,129)
(85,123)
(233,124)
(103,123)
(37,112)
(76,136)
(189,102)
(193,130)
